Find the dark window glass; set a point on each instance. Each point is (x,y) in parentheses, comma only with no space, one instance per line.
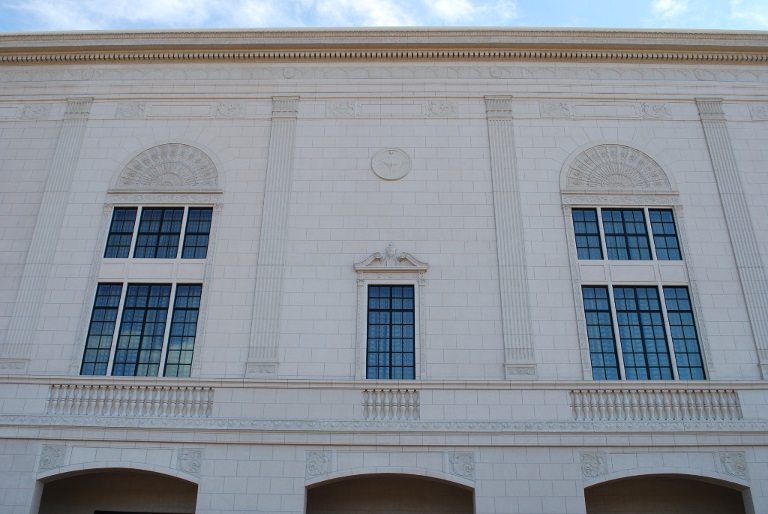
(120,233)
(641,332)
(602,345)
(181,342)
(391,341)
(587,234)
(685,341)
(197,233)
(626,237)
(140,338)
(159,231)
(665,235)
(101,330)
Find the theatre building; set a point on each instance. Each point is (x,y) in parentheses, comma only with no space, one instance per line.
(476,271)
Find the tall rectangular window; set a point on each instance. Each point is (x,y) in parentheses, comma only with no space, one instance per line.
(587,233)
(181,341)
(664,235)
(159,231)
(101,330)
(602,346)
(682,328)
(197,233)
(142,330)
(120,233)
(391,332)
(626,237)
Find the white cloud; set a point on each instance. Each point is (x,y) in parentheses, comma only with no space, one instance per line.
(369,13)
(666,9)
(755,12)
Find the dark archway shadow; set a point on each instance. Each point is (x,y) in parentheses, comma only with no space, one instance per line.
(117,490)
(673,494)
(389,494)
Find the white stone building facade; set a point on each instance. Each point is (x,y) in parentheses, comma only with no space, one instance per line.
(485,271)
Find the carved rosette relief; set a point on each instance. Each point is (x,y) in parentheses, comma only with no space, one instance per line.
(462,464)
(172,166)
(734,464)
(593,465)
(759,111)
(190,460)
(391,164)
(318,463)
(616,167)
(52,457)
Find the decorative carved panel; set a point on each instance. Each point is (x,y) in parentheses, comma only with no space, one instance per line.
(171,166)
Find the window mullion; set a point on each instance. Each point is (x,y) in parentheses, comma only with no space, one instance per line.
(668,333)
(167,332)
(135,235)
(649,230)
(600,227)
(617,333)
(116,332)
(182,237)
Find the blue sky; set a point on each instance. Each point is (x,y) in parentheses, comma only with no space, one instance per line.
(36,15)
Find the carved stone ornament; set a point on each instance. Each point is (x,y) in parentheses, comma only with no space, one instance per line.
(734,464)
(440,108)
(616,168)
(759,111)
(555,109)
(318,463)
(462,464)
(340,109)
(257,369)
(230,109)
(172,166)
(35,111)
(190,460)
(593,465)
(391,260)
(13,365)
(515,370)
(52,457)
(131,110)
(654,110)
(391,164)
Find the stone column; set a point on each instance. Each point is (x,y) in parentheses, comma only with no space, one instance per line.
(15,352)
(739,222)
(265,326)
(513,279)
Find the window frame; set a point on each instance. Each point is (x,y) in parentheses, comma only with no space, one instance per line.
(157,271)
(598,273)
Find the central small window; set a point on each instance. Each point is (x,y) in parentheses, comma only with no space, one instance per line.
(391,332)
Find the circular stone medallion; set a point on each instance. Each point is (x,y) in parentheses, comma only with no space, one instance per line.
(391,164)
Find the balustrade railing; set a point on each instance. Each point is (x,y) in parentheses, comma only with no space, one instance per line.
(390,404)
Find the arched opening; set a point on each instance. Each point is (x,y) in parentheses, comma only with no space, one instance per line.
(663,495)
(389,494)
(124,491)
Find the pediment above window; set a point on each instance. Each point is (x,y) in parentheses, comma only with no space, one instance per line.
(172,167)
(391,260)
(614,168)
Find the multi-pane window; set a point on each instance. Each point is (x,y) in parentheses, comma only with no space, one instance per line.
(622,234)
(645,323)
(144,343)
(158,232)
(391,332)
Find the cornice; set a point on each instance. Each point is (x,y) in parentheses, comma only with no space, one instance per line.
(336,45)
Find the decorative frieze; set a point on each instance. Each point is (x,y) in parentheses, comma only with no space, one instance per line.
(379,110)
(45,237)
(655,404)
(230,109)
(139,401)
(262,353)
(390,404)
(741,229)
(617,110)
(513,275)
(35,112)
(131,110)
(758,111)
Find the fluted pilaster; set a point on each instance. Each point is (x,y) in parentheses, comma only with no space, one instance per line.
(740,227)
(513,282)
(262,354)
(45,237)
